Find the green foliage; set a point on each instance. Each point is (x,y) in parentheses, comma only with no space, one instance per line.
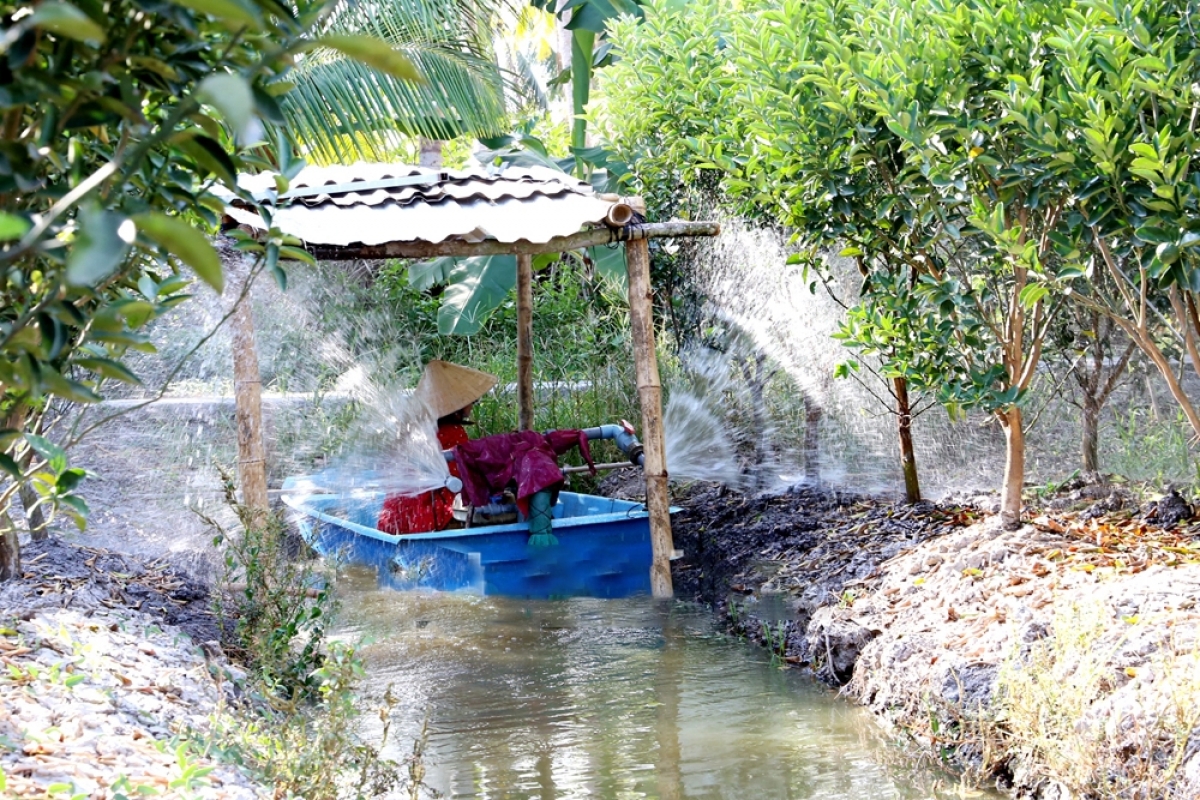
(474,288)
(974,160)
(668,98)
(1146,448)
(310,750)
(119,123)
(299,735)
(280,604)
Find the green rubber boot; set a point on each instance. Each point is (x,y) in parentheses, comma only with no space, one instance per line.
(540,526)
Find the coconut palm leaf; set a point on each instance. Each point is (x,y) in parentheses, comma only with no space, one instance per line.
(525,79)
(341,110)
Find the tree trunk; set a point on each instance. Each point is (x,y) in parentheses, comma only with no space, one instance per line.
(34,515)
(10,544)
(431,153)
(10,549)
(1014,467)
(525,342)
(908,458)
(812,440)
(1091,436)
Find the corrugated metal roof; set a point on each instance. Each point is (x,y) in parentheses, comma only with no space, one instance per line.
(400,203)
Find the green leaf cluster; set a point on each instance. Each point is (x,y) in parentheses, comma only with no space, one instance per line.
(123,126)
(668,102)
(985,149)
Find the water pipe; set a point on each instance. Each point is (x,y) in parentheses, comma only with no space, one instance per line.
(622,436)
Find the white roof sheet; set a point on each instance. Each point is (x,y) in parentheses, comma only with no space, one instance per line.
(507,205)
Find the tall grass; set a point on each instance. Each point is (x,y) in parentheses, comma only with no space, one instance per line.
(1095,715)
(295,730)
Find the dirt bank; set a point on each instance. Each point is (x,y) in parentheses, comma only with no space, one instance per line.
(1059,660)
(106,693)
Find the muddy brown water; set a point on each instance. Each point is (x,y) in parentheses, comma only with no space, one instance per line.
(610,699)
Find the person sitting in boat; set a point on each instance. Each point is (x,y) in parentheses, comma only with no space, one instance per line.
(449,390)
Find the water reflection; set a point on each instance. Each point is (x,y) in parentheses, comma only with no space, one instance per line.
(609,699)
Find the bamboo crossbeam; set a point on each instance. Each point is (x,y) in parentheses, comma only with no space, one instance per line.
(559,244)
(607,465)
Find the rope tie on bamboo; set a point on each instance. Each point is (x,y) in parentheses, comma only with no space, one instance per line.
(624,233)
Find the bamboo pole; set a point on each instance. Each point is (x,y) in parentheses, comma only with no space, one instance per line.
(641,319)
(525,342)
(571,470)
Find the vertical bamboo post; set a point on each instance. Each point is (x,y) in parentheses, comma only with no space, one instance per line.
(641,319)
(525,342)
(247,387)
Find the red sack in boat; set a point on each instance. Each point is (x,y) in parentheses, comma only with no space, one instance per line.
(417,513)
(427,511)
(527,458)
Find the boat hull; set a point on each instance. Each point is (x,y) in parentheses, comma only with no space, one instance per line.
(603,548)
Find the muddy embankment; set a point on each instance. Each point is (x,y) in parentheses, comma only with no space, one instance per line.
(103,684)
(1059,660)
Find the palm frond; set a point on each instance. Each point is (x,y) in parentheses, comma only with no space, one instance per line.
(427,20)
(342,110)
(526,78)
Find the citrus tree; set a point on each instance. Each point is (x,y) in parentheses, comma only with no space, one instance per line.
(752,96)
(1124,120)
(916,138)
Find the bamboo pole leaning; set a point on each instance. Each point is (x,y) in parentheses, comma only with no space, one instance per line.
(247,385)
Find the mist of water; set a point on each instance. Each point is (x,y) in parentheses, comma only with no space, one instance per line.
(737,408)
(766,374)
(394,445)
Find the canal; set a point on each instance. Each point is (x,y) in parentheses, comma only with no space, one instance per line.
(610,699)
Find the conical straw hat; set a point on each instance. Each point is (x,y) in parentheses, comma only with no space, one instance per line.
(447,387)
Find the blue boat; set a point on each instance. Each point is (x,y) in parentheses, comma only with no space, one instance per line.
(603,548)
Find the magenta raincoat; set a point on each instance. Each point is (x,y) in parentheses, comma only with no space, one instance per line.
(529,458)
